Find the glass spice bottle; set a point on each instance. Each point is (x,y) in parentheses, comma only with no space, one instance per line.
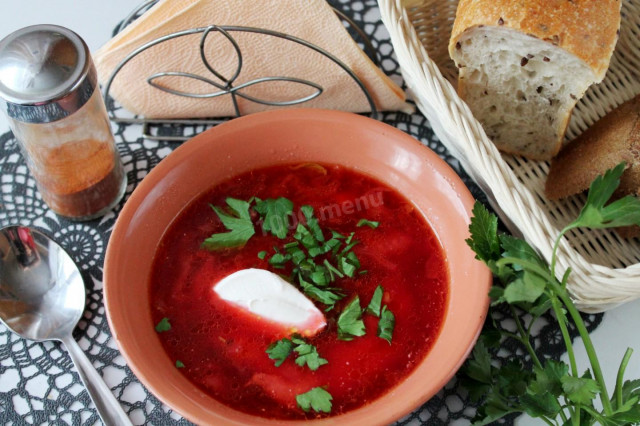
(50,95)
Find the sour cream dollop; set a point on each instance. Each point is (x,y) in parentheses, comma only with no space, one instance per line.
(270,297)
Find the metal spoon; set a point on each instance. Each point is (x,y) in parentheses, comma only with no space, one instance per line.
(42,297)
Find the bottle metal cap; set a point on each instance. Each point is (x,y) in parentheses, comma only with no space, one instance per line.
(46,73)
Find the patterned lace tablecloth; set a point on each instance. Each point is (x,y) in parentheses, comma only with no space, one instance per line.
(38,384)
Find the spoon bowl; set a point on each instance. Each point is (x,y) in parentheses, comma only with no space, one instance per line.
(42,297)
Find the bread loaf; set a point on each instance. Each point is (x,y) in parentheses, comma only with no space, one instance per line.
(524,64)
(613,139)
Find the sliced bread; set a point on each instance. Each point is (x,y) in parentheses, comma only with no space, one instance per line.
(613,139)
(523,65)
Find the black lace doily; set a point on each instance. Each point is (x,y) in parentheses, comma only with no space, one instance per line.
(38,383)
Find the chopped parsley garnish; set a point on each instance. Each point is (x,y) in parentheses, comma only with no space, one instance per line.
(238,223)
(327,296)
(275,215)
(307,354)
(350,322)
(387,320)
(386,324)
(315,259)
(376,302)
(163,325)
(179,364)
(369,223)
(317,399)
(312,223)
(280,350)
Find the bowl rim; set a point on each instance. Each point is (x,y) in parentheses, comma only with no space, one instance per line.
(482,274)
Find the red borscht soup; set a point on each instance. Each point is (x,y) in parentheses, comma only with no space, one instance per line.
(354,246)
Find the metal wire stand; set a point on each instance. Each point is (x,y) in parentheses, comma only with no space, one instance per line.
(224,85)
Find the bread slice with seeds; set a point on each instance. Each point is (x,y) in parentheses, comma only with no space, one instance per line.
(524,64)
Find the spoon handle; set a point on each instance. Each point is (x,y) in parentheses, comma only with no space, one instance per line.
(108,406)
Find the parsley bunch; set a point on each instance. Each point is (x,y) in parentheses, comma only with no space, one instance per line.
(552,391)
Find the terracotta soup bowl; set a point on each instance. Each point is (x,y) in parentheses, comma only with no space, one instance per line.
(285,137)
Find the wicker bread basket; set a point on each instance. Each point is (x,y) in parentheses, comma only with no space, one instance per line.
(605,267)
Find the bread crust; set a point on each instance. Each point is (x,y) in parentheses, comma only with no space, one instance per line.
(611,140)
(586,28)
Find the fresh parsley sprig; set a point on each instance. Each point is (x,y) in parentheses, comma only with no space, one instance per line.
(553,391)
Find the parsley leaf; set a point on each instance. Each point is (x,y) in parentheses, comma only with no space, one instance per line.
(371,224)
(278,260)
(484,234)
(580,390)
(307,355)
(350,322)
(478,367)
(540,405)
(333,271)
(376,301)
(317,399)
(348,262)
(328,296)
(312,223)
(527,288)
(179,364)
(163,325)
(275,214)
(515,247)
(631,389)
(386,324)
(622,212)
(280,350)
(548,379)
(239,224)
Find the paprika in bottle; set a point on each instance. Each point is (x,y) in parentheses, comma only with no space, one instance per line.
(49,92)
